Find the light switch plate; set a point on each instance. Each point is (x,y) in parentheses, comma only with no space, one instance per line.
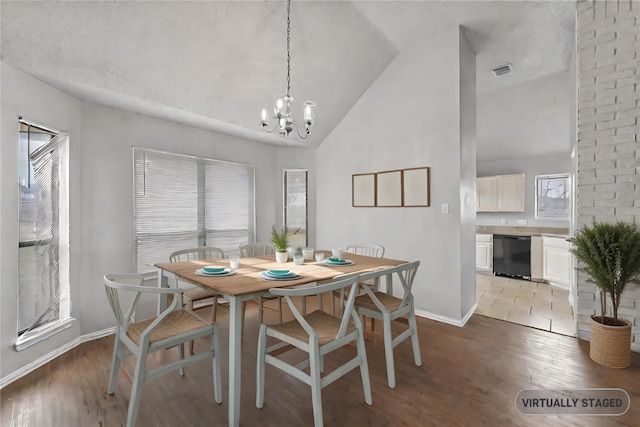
(445,208)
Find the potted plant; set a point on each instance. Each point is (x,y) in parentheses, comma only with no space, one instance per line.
(280,243)
(610,256)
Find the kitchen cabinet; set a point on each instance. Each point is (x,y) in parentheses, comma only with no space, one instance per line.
(556,261)
(484,252)
(500,193)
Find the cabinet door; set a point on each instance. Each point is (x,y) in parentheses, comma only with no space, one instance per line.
(511,193)
(484,256)
(556,261)
(486,194)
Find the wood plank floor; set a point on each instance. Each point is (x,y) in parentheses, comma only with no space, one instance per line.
(469,377)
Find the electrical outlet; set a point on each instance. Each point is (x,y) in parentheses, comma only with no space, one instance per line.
(503,222)
(521,222)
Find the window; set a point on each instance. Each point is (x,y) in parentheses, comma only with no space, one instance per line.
(295,206)
(44,301)
(552,197)
(184,201)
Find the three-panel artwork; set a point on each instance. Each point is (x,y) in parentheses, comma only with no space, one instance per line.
(395,188)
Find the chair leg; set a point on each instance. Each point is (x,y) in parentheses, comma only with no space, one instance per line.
(189,305)
(214,309)
(217,381)
(316,384)
(260,309)
(136,388)
(260,365)
(115,364)
(364,368)
(388,350)
(280,308)
(414,338)
(181,355)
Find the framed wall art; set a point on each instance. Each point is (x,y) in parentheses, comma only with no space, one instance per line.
(389,188)
(363,190)
(415,187)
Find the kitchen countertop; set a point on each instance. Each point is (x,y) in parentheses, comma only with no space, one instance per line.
(523,230)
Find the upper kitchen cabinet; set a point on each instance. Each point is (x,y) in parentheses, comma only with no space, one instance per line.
(500,193)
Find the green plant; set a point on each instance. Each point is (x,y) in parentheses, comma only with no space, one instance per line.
(280,240)
(610,255)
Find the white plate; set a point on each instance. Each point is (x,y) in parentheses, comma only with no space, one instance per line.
(226,273)
(268,277)
(338,264)
(290,275)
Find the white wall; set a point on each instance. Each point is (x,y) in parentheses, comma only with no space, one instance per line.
(410,117)
(101,196)
(530,166)
(27,97)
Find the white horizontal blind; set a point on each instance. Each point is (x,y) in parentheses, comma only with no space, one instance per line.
(183,202)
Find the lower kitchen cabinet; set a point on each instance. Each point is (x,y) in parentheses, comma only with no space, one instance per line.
(556,261)
(484,252)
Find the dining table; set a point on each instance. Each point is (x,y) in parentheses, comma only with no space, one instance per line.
(247,282)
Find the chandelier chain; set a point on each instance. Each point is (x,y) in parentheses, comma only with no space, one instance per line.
(288,46)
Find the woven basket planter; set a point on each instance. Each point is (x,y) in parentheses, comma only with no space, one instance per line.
(610,346)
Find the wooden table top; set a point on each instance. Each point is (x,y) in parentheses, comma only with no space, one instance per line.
(247,279)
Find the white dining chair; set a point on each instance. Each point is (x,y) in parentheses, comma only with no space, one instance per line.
(387,308)
(192,293)
(369,249)
(365,249)
(173,327)
(260,249)
(317,333)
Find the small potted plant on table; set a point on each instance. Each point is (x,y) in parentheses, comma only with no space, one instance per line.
(610,255)
(280,242)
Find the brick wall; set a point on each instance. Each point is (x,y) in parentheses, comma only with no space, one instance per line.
(608,162)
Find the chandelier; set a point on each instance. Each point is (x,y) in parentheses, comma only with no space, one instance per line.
(282,106)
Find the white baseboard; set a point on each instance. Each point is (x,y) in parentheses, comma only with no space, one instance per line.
(449,320)
(15,375)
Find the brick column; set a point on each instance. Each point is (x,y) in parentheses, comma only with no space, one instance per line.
(608,181)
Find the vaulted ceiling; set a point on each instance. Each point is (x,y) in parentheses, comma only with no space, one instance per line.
(212,63)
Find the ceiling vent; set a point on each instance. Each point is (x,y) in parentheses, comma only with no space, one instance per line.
(501,70)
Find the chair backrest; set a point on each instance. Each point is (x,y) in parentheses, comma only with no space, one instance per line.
(202,252)
(124,291)
(256,249)
(406,273)
(372,250)
(347,284)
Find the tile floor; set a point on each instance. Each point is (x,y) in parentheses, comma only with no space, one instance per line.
(534,304)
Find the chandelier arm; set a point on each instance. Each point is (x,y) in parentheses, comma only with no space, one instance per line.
(275,126)
(301,136)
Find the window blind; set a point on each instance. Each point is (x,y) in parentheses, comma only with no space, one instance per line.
(184,201)
(44,289)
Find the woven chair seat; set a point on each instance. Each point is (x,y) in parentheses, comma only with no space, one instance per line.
(326,325)
(176,323)
(390,302)
(197,293)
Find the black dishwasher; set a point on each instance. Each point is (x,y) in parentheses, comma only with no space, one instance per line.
(512,256)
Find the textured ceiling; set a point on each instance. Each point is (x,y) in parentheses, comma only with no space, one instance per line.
(212,63)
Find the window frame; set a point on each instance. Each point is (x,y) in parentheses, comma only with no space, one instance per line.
(542,210)
(286,205)
(36,331)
